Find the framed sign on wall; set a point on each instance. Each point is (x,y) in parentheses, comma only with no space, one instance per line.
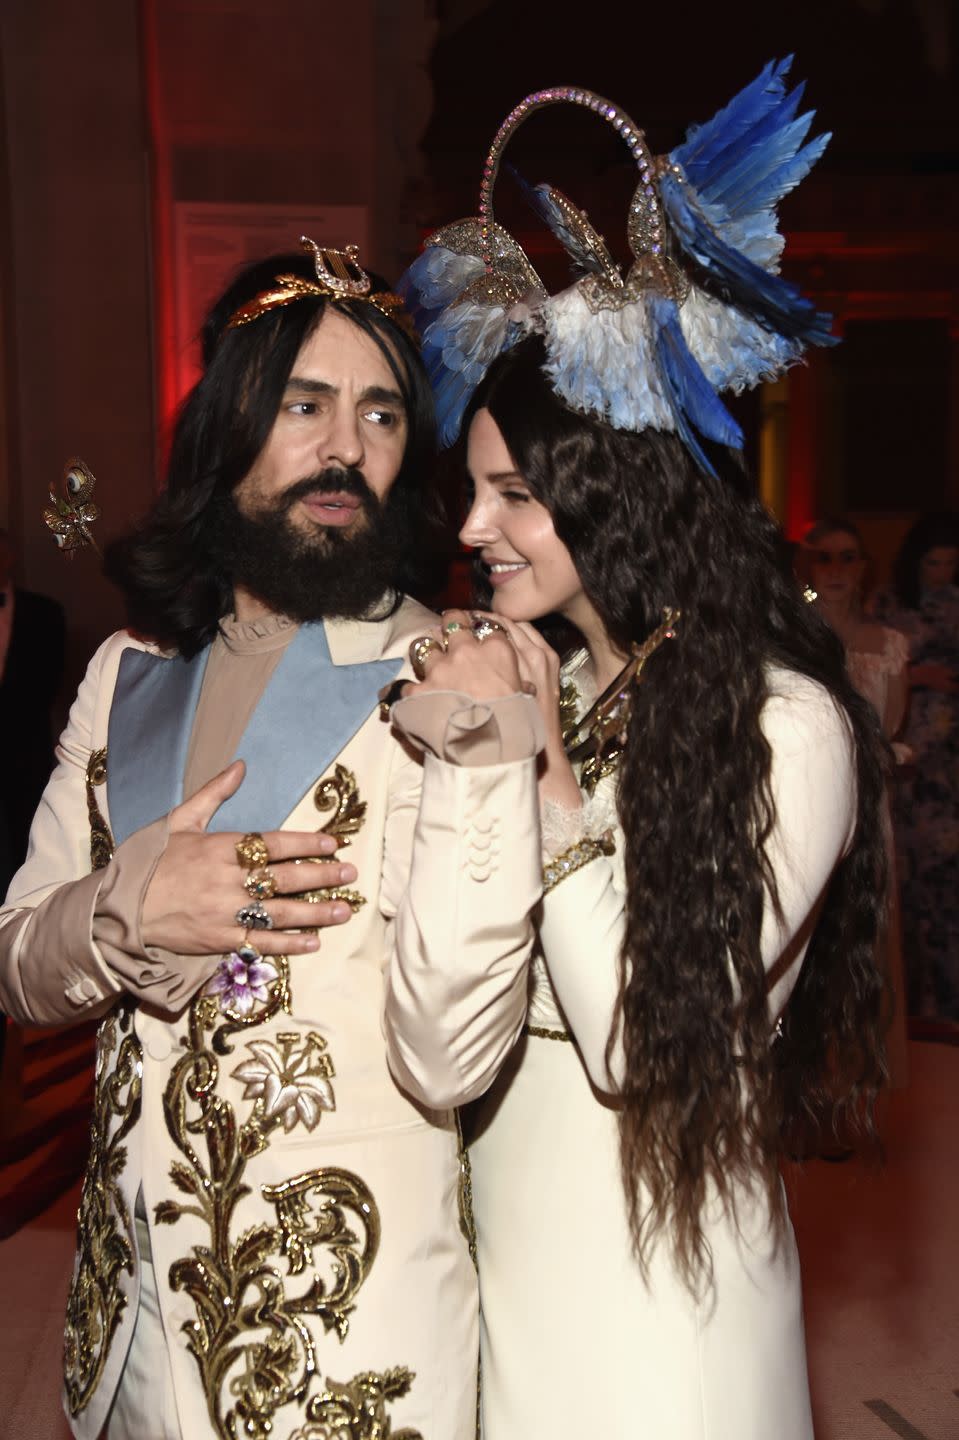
(212,241)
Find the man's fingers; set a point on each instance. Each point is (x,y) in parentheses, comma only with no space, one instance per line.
(198,810)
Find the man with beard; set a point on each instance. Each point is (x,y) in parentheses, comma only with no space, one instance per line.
(270,1235)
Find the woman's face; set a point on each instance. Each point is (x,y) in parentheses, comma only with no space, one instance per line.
(836,567)
(938,567)
(530,569)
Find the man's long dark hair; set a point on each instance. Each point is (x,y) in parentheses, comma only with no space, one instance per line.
(176,592)
(707,1098)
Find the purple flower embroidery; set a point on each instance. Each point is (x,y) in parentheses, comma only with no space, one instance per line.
(241,979)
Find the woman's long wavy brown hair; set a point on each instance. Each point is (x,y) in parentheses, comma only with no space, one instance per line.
(707,1099)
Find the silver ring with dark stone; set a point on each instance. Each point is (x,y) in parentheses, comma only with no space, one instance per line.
(255,917)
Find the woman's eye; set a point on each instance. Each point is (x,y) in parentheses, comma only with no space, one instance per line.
(516,497)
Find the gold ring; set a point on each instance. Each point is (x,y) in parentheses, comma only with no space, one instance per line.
(260,884)
(419,650)
(251,851)
(483,627)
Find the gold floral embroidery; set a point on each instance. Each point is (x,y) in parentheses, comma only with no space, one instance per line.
(250,1338)
(573,859)
(101,841)
(105,1244)
(357,1410)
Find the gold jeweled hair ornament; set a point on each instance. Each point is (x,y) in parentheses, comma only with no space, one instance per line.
(701,308)
(339,276)
(70,516)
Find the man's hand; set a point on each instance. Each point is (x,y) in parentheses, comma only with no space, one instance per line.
(197,888)
(483,669)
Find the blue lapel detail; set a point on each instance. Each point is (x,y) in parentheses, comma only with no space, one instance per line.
(151,718)
(309,712)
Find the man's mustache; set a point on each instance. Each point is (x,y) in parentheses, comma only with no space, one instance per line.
(335,481)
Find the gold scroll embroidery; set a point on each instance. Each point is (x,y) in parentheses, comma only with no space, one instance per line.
(104,1226)
(101,841)
(105,1244)
(357,1409)
(250,1338)
(339,793)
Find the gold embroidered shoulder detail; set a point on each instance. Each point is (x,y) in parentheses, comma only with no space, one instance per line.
(105,1243)
(101,841)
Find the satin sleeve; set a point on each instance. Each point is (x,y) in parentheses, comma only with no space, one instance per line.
(70,936)
(463,930)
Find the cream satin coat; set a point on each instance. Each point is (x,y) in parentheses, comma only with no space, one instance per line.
(575,1340)
(305,1215)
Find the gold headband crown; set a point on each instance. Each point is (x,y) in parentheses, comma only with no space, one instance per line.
(339,276)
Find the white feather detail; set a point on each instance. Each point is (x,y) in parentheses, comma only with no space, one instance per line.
(604,363)
(733,351)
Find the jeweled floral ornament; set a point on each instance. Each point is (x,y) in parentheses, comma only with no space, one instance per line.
(70,516)
(701,309)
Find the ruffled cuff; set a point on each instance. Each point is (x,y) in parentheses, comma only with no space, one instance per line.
(160,977)
(560,829)
(468,732)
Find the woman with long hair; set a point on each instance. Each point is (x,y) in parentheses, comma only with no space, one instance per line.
(699,974)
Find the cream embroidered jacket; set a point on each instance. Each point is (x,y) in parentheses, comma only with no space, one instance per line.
(305,1214)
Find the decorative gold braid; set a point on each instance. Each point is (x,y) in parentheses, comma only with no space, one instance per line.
(575,858)
(540,1032)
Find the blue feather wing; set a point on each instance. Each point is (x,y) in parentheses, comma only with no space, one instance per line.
(697,409)
(734,170)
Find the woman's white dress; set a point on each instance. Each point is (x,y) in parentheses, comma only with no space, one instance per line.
(575,1341)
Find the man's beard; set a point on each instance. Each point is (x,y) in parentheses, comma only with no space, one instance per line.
(324,572)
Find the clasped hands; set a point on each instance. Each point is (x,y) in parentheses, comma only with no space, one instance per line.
(198,887)
(487,657)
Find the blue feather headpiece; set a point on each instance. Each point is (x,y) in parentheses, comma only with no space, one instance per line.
(702,309)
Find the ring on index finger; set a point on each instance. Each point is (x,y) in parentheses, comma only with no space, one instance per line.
(421,648)
(260,884)
(251,851)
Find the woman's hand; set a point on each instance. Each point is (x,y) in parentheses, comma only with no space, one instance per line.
(197,888)
(539,673)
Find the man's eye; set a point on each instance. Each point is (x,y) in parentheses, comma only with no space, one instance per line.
(303,407)
(382,417)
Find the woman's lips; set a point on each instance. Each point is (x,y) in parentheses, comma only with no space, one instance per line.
(501,571)
(332,509)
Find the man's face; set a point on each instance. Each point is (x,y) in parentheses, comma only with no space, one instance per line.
(341,411)
(313,531)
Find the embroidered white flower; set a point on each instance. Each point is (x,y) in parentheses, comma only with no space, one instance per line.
(289,1080)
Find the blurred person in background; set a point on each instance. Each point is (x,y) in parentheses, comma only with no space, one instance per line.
(923,602)
(832,561)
